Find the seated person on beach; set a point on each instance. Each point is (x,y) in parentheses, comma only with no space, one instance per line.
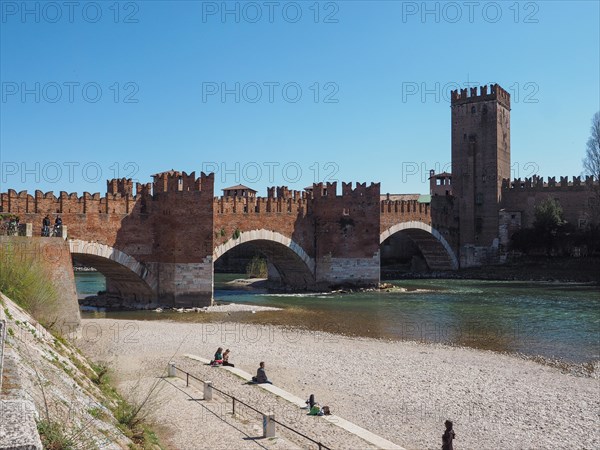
(226,359)
(261,375)
(315,410)
(218,357)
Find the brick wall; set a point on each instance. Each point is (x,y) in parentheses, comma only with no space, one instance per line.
(575,197)
(480,159)
(55,259)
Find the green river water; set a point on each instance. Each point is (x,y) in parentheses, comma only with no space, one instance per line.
(553,320)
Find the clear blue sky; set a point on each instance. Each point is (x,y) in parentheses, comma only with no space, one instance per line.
(161,67)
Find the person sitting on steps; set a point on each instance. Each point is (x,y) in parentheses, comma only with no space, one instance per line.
(226,359)
(218,357)
(261,375)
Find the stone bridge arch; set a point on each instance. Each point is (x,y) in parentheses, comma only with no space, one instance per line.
(294,265)
(436,250)
(125,276)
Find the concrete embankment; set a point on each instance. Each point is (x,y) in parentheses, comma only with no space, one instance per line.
(46,383)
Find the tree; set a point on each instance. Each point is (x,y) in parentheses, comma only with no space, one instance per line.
(591,162)
(548,223)
(548,216)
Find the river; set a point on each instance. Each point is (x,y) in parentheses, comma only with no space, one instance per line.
(549,319)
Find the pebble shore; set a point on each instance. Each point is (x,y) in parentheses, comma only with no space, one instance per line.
(402,391)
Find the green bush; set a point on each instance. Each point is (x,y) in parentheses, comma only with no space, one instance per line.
(24,280)
(257,268)
(53,436)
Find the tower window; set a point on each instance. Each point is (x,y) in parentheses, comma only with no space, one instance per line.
(473,110)
(479,198)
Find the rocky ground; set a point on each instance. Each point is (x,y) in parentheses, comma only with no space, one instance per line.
(48,372)
(402,391)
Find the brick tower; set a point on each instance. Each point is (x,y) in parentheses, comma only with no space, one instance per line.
(480,160)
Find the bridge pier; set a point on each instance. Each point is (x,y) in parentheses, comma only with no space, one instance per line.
(334,272)
(185,284)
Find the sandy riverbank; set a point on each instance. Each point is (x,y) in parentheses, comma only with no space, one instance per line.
(402,391)
(218,307)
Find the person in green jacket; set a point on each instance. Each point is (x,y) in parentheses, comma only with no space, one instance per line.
(218,357)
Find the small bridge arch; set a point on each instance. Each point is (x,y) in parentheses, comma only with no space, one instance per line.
(127,276)
(436,250)
(294,265)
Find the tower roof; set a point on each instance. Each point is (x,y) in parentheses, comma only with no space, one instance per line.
(238,187)
(171,172)
(443,174)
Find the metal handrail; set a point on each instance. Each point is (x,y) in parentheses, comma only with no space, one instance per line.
(235,399)
(321,446)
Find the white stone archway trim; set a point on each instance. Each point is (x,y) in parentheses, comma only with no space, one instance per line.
(265,235)
(425,227)
(108,252)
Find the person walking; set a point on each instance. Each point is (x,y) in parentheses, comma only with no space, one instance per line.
(448,436)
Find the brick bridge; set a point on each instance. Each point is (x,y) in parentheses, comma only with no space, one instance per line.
(161,243)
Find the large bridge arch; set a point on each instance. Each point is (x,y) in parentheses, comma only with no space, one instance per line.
(436,250)
(294,265)
(125,276)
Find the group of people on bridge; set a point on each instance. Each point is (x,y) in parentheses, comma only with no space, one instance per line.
(56,231)
(11,226)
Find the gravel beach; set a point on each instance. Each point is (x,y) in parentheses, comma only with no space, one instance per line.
(402,391)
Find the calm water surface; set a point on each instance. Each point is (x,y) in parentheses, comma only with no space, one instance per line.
(559,320)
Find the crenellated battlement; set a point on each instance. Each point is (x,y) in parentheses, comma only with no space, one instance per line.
(404,206)
(537,183)
(329,190)
(471,95)
(320,190)
(361,190)
(119,198)
(260,205)
(49,203)
(175,181)
(280,199)
(285,193)
(123,186)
